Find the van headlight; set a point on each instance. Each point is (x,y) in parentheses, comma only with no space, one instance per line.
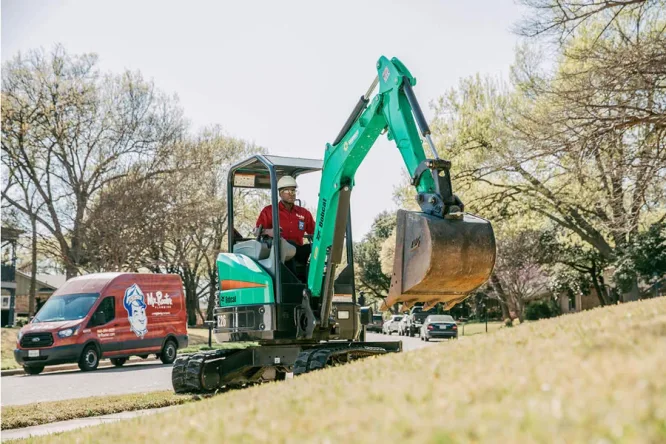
(66,333)
(19,336)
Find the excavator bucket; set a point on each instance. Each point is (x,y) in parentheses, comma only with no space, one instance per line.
(439,260)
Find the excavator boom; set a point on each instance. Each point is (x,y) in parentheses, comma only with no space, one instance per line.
(442,254)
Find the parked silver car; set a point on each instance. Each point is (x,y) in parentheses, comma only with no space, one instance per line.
(439,326)
(391,325)
(403,325)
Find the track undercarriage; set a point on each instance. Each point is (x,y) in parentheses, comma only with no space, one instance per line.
(209,371)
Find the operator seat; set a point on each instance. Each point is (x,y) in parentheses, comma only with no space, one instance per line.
(253,249)
(287,251)
(260,252)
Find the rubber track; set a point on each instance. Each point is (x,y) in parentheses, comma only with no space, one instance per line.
(188,370)
(316,359)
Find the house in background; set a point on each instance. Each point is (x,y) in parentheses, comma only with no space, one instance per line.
(9,238)
(46,285)
(578,302)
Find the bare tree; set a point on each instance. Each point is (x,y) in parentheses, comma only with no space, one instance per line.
(174,223)
(518,277)
(582,147)
(71,131)
(562,18)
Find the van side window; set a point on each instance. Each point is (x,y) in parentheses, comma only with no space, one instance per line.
(106,312)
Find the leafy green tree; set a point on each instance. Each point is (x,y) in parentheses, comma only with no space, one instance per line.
(644,259)
(367,256)
(581,146)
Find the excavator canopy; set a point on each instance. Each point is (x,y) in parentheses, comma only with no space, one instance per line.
(439,259)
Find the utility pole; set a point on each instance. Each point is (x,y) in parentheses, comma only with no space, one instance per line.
(485,312)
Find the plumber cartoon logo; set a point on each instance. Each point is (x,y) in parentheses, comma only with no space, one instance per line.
(136,310)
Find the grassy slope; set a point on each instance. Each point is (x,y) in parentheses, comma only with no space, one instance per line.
(45,412)
(596,376)
(475,328)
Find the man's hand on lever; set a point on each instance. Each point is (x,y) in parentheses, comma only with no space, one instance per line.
(261,232)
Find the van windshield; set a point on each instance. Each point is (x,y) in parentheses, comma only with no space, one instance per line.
(66,307)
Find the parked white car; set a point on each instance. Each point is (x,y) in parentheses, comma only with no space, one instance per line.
(403,325)
(391,325)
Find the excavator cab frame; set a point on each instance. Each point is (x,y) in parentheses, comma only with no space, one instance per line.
(263,172)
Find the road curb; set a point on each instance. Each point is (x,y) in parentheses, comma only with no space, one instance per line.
(60,368)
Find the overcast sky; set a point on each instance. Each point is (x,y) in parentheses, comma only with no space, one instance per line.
(283,74)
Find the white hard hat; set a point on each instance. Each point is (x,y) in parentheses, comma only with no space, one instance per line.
(286,181)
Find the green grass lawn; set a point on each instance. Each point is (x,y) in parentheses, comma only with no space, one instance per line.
(596,376)
(475,328)
(198,336)
(7,347)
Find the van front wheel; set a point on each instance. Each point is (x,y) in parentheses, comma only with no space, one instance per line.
(168,354)
(33,369)
(89,359)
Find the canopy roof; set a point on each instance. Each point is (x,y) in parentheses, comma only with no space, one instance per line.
(254,172)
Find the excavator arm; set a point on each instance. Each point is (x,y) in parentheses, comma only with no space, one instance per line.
(394,110)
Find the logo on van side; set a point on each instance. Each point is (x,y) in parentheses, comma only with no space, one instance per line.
(136,310)
(159,299)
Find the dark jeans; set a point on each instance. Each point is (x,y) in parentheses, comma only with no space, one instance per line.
(300,262)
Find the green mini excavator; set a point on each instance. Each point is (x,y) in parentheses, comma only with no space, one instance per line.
(305,316)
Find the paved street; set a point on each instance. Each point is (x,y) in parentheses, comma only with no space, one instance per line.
(408,343)
(134,378)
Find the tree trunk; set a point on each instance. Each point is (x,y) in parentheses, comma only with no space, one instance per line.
(212,293)
(507,306)
(633,294)
(505,310)
(200,314)
(33,269)
(191,301)
(599,289)
(70,270)
(520,309)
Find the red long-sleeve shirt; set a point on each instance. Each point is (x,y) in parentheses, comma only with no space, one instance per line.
(293,224)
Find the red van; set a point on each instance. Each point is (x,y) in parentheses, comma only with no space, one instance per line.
(106,315)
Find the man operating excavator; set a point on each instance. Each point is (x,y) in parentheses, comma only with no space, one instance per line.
(295,222)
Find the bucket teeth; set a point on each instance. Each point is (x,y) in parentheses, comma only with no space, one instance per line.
(440,260)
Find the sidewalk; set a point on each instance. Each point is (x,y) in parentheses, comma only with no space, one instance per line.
(65,367)
(63,426)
